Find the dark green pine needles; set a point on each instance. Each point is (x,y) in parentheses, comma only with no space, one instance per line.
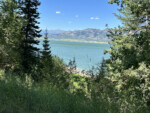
(46,58)
(31,32)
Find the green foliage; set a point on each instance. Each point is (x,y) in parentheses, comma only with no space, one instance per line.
(17,96)
(130,42)
(46,53)
(77,84)
(26,96)
(129,64)
(30,31)
(46,59)
(59,65)
(133,89)
(85,96)
(10,34)
(122,83)
(59,77)
(102,71)
(72,65)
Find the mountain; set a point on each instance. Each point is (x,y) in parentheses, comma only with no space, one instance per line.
(57,31)
(84,35)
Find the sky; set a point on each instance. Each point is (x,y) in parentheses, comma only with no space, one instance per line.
(77,14)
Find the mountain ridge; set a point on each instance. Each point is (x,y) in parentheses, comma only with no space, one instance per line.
(88,34)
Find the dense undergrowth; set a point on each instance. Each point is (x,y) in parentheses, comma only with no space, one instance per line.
(27,97)
(82,96)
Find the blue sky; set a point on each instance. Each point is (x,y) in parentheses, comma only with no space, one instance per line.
(77,14)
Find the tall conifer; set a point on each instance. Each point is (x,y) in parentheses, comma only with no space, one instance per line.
(30,32)
(46,53)
(130,45)
(46,58)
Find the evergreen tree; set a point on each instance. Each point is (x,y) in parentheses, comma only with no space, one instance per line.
(130,45)
(102,71)
(30,31)
(46,58)
(46,53)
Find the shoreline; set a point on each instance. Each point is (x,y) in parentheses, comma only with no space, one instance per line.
(69,40)
(78,71)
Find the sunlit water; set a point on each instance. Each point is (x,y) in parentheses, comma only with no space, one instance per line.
(86,54)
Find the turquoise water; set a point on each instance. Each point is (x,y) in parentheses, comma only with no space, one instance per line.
(86,54)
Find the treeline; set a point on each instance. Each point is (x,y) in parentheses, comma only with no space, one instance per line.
(122,83)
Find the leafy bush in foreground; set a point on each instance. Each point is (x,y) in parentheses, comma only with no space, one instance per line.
(23,97)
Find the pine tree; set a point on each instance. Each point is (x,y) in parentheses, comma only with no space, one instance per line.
(130,45)
(30,31)
(46,58)
(46,53)
(102,71)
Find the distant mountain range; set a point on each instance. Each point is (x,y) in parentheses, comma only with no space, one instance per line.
(84,35)
(57,31)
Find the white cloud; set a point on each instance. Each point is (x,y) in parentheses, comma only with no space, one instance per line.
(77,16)
(94,18)
(97,18)
(58,12)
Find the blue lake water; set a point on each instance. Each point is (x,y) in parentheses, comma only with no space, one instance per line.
(86,54)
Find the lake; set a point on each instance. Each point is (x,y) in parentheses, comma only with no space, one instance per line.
(86,54)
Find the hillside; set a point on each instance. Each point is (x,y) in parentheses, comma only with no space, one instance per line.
(85,35)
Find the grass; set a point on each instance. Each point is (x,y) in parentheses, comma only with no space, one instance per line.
(27,97)
(17,96)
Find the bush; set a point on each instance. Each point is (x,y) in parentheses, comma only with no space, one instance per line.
(133,87)
(23,97)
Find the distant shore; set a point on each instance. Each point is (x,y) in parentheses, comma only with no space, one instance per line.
(78,71)
(70,40)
